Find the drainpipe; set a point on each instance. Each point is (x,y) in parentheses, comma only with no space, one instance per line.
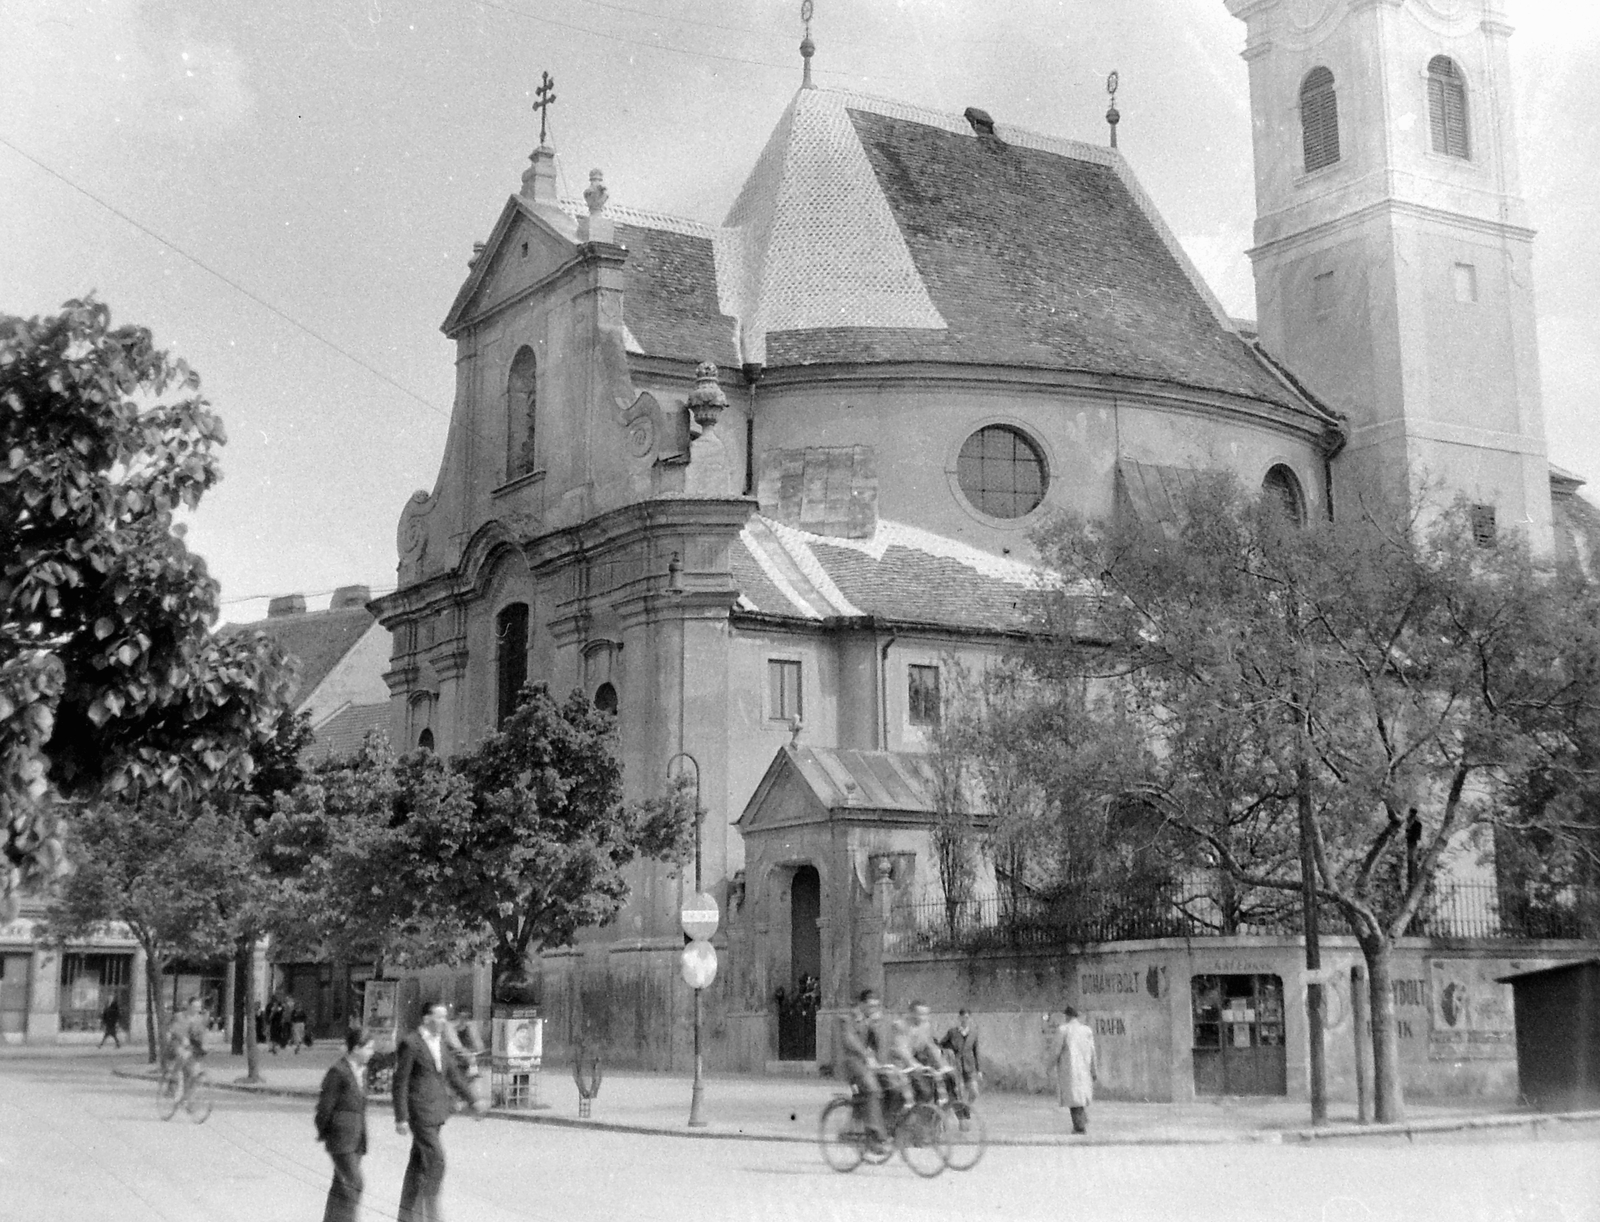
(883,693)
(752,374)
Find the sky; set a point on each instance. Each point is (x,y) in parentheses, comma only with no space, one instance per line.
(287,193)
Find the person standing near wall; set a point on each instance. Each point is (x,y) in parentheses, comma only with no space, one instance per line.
(341,1120)
(110,1021)
(961,1041)
(1072,1051)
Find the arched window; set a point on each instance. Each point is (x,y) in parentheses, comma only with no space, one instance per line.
(1447,108)
(1281,491)
(1002,472)
(521,405)
(511,658)
(1319,119)
(425,740)
(605,699)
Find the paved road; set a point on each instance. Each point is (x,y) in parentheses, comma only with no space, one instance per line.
(78,1145)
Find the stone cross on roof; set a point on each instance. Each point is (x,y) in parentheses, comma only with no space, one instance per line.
(546,93)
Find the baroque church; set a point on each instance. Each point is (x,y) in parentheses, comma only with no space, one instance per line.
(668,482)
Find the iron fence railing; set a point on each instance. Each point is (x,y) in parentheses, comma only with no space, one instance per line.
(1451,910)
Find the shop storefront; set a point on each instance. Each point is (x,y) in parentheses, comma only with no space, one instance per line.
(57,994)
(89,983)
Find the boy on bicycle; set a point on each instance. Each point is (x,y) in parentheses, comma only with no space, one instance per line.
(186,1042)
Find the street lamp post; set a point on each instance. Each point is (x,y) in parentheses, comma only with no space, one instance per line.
(697,1094)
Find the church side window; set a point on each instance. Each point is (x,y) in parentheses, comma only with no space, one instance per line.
(605,698)
(922,695)
(522,402)
(1281,491)
(783,689)
(511,658)
(1001,472)
(1447,108)
(1319,119)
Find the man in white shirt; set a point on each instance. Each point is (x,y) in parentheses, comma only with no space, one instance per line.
(425,1076)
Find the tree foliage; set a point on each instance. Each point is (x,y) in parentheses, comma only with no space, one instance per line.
(508,849)
(111,682)
(1397,682)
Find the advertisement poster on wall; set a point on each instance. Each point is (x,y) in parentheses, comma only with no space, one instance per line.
(1472,1016)
(378,1012)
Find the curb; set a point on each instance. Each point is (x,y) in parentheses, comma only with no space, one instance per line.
(1537,1125)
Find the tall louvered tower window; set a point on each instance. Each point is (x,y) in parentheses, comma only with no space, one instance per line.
(1319,119)
(1447,108)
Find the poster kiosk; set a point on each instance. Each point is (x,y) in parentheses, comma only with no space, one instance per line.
(517,1056)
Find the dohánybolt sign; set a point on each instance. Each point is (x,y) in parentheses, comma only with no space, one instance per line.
(699,957)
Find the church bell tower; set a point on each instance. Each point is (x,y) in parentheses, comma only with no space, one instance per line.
(1392,248)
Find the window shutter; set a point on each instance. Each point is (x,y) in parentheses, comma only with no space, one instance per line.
(1319,119)
(1447,108)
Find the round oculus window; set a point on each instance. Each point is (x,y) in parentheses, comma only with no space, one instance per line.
(1002,472)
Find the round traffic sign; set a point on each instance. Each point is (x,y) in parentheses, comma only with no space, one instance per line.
(700,915)
(699,964)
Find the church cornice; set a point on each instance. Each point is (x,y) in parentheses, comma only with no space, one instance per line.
(1112,389)
(1312,234)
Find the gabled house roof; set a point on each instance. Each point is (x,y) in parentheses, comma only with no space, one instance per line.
(848,782)
(317,640)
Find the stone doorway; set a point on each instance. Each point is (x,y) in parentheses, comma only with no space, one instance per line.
(797,1001)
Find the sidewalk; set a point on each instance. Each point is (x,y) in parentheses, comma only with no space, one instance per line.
(786,1109)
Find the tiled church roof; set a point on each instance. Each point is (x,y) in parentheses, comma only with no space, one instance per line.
(873,231)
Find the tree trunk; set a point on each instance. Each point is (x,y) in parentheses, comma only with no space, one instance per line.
(241,1004)
(1388,1096)
(152,993)
(252,1049)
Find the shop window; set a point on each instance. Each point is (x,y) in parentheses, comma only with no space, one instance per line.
(89,983)
(1002,472)
(922,695)
(783,690)
(511,658)
(1319,119)
(1238,1045)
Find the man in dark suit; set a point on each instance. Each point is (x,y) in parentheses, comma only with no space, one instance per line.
(342,1125)
(962,1043)
(425,1076)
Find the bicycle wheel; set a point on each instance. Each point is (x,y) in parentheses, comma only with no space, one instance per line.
(168,1095)
(199,1105)
(840,1135)
(922,1141)
(969,1136)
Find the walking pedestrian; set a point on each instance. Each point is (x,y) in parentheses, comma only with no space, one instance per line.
(1076,1067)
(110,1021)
(961,1042)
(341,1120)
(278,1024)
(426,1074)
(297,1027)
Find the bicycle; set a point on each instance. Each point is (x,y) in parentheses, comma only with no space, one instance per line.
(917,1131)
(170,1095)
(967,1132)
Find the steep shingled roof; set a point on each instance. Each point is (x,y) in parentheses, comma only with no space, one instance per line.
(344,733)
(316,639)
(669,298)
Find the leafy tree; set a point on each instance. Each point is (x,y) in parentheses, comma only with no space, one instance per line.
(110,680)
(1390,684)
(508,849)
(175,873)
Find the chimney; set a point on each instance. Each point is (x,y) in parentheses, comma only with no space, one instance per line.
(982,124)
(286,604)
(349,596)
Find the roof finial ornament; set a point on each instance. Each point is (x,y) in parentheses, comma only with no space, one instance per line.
(807,47)
(1113,116)
(546,93)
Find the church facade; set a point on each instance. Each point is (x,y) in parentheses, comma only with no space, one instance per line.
(764,489)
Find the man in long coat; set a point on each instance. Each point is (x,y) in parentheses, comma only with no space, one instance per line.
(1072,1052)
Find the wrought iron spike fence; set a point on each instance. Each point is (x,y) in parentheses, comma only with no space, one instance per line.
(1452,910)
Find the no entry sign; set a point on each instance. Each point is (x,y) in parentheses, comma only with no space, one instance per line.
(700,916)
